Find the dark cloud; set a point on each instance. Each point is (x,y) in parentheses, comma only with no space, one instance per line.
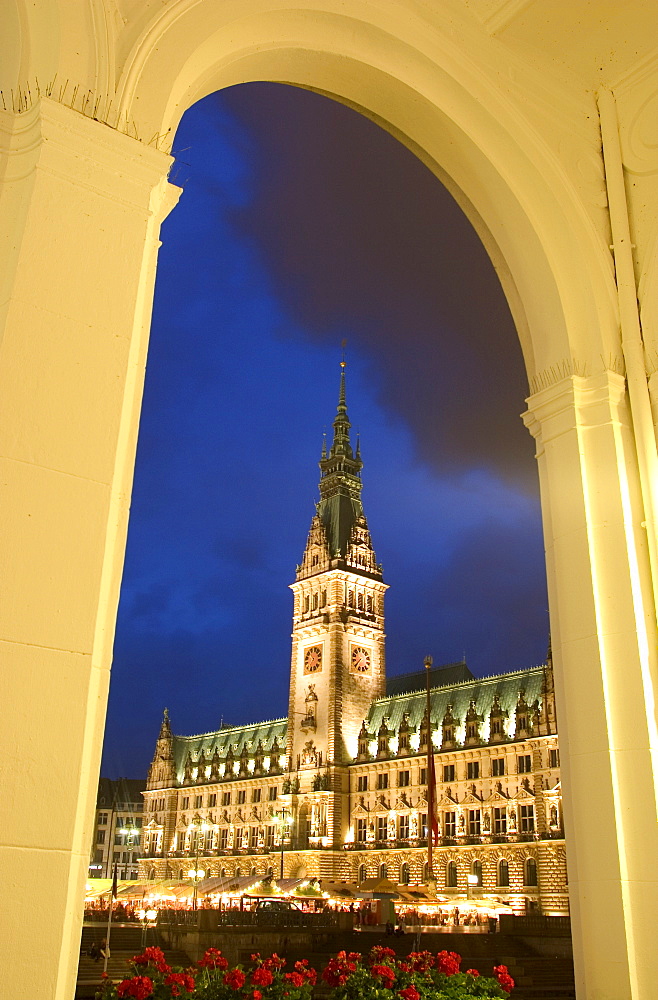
(387,253)
(301,223)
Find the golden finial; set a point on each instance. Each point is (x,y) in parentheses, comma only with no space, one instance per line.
(343,362)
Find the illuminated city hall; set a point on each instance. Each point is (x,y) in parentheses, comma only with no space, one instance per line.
(339,789)
(540,119)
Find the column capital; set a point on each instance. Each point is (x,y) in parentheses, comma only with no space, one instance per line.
(575,400)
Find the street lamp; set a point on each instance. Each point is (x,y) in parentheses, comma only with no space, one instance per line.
(284,825)
(131,834)
(197,873)
(148,918)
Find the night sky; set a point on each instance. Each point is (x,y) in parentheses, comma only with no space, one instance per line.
(302,223)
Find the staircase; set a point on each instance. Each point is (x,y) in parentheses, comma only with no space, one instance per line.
(125,943)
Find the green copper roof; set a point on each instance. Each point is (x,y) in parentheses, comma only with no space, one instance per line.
(480,690)
(236,737)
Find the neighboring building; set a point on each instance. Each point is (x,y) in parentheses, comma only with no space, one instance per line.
(117,828)
(339,788)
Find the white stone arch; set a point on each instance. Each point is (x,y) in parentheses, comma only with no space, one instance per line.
(492,162)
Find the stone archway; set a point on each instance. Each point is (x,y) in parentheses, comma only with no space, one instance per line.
(85,180)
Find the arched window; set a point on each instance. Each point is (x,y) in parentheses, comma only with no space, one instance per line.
(383,871)
(269,873)
(476,870)
(181,873)
(404,874)
(361,875)
(451,875)
(237,873)
(222,872)
(531,872)
(254,870)
(503,873)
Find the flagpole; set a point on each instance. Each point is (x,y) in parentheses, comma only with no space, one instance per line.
(430,778)
(113,894)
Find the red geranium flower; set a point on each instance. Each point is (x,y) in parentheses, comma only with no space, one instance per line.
(504,978)
(383,972)
(139,987)
(411,993)
(257,995)
(235,979)
(294,978)
(213,959)
(472,972)
(180,979)
(448,962)
(262,976)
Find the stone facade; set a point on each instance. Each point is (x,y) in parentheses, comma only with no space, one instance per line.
(339,789)
(117,828)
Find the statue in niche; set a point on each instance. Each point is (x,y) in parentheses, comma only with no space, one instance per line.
(309,757)
(311,708)
(487,822)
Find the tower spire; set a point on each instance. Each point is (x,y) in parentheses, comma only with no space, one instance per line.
(339,527)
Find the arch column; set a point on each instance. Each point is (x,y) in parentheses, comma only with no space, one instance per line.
(604,651)
(80,210)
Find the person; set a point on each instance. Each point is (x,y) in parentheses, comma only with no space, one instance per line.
(104,949)
(94,952)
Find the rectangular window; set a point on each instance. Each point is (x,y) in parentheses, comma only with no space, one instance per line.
(450,824)
(100,837)
(198,801)
(242,796)
(553,757)
(255,795)
(403,827)
(498,767)
(185,802)
(361,831)
(473,770)
(422,776)
(382,780)
(403,779)
(524,763)
(474,822)
(499,821)
(223,839)
(118,839)
(272,793)
(212,800)
(253,837)
(362,783)
(496,727)
(448,772)
(269,836)
(116,855)
(527,819)
(382,828)
(226,798)
(102,819)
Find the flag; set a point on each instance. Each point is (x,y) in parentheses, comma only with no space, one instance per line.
(114,882)
(432,822)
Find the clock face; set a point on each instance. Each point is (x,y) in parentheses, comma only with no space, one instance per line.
(313,659)
(360,660)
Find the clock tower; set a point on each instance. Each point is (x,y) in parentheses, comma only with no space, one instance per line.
(337,664)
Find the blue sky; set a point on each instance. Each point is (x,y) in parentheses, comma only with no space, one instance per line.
(301,224)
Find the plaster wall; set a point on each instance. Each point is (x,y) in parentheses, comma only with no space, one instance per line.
(499,101)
